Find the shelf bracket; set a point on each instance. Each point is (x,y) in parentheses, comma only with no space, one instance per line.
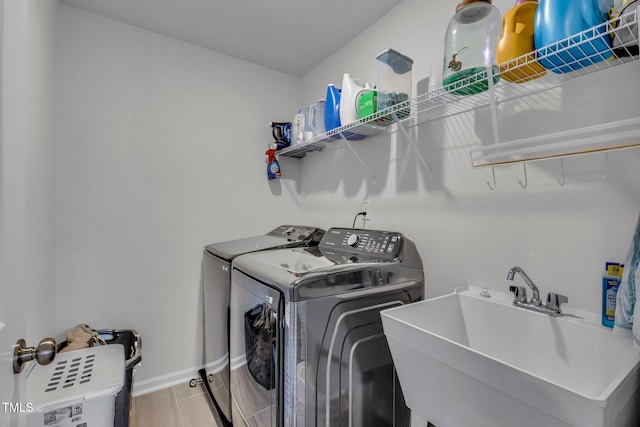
(413,145)
(372,176)
(562,180)
(492,186)
(493,106)
(524,183)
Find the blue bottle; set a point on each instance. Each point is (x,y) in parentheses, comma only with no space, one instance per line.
(610,283)
(563,23)
(332,108)
(332,114)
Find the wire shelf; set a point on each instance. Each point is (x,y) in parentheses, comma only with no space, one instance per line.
(376,123)
(609,45)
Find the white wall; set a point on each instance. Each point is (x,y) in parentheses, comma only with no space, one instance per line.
(160,151)
(466,233)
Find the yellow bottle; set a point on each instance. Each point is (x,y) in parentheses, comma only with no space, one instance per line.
(516,41)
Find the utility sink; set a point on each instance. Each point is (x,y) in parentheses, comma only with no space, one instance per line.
(468,360)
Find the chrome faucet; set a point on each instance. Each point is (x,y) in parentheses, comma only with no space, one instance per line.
(554,301)
(535,299)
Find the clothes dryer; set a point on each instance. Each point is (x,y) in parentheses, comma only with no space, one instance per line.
(216,278)
(306,339)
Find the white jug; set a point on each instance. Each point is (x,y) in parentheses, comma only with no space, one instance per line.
(352,89)
(316,118)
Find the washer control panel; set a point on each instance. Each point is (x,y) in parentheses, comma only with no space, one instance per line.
(385,244)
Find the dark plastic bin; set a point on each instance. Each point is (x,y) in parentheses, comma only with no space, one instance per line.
(132,344)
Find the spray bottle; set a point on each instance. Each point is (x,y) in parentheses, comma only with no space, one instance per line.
(273,167)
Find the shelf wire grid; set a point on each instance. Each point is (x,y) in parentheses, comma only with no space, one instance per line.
(609,45)
(579,55)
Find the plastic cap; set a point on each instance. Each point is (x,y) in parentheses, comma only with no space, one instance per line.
(464,3)
(400,63)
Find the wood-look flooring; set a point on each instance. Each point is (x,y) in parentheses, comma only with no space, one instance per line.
(178,406)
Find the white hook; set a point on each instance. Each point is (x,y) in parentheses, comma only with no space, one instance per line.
(493,174)
(561,181)
(524,183)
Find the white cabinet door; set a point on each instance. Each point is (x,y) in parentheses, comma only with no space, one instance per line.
(13,405)
(12,210)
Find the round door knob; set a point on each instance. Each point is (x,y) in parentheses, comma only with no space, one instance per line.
(353,240)
(43,354)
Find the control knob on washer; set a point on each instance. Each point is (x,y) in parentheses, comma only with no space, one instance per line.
(353,240)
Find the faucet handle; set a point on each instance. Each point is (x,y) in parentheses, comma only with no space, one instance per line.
(519,292)
(554,301)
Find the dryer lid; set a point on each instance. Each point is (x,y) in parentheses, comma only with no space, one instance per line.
(281,237)
(232,248)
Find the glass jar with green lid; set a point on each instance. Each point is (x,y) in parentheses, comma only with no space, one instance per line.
(470,47)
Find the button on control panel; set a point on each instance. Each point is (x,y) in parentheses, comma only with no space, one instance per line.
(353,240)
(385,244)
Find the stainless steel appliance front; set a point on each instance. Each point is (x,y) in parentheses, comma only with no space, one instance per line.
(329,363)
(216,277)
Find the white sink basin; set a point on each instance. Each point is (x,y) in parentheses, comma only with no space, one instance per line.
(464,360)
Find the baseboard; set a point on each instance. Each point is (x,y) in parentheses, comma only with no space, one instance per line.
(163,381)
(171,379)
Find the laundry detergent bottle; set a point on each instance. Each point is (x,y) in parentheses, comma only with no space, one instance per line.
(332,108)
(516,42)
(576,23)
(352,89)
(470,47)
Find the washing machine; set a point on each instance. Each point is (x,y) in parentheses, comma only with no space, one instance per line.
(216,277)
(306,339)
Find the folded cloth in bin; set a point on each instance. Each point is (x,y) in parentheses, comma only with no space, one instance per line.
(82,336)
(259,340)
